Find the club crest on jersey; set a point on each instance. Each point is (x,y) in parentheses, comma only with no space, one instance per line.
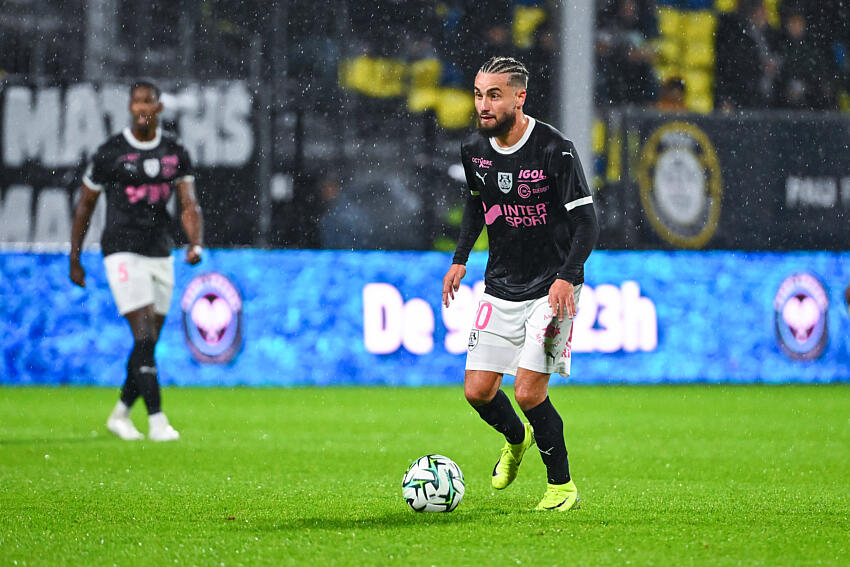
(151,167)
(506,181)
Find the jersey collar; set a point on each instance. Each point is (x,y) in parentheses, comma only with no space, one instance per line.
(526,135)
(140,145)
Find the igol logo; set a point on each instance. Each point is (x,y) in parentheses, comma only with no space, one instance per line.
(212,318)
(801,305)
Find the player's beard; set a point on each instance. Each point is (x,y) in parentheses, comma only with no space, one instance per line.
(500,128)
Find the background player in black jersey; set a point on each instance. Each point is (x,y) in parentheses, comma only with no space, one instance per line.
(527,185)
(138,170)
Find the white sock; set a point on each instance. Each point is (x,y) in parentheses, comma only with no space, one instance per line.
(120,410)
(157,419)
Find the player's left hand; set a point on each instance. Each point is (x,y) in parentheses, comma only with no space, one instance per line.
(562,299)
(193,254)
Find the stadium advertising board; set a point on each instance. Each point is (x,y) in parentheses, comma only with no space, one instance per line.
(323,318)
(749,181)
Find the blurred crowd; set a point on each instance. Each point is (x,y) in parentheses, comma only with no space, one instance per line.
(761,53)
(779,54)
(764,53)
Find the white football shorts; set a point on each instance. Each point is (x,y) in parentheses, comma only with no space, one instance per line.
(507,335)
(137,280)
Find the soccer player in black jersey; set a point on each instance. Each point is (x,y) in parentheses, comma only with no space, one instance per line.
(138,170)
(527,185)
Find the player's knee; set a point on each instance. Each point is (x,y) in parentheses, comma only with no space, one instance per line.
(477,395)
(527,397)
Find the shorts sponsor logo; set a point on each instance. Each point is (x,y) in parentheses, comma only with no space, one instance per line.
(473,339)
(212,318)
(506,181)
(800,306)
(482,163)
(151,167)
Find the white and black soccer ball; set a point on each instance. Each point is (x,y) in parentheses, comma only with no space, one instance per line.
(433,483)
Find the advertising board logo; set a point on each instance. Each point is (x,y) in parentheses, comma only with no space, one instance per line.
(680,184)
(800,306)
(212,318)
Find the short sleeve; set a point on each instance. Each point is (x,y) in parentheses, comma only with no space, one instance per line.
(97,172)
(185,169)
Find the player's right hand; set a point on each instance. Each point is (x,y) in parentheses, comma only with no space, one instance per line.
(451,282)
(78,273)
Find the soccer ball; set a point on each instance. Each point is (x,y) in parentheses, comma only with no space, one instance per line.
(433,483)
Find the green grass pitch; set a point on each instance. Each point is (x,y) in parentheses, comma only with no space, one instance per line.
(669,475)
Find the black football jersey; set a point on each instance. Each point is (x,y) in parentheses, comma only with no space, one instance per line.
(529,196)
(139,178)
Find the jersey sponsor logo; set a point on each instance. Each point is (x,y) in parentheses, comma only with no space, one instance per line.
(212,318)
(506,181)
(800,307)
(153,192)
(517,216)
(523,191)
(151,167)
(169,165)
(481,177)
(491,214)
(531,174)
(680,185)
(482,163)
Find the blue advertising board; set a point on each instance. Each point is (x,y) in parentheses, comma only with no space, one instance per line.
(259,317)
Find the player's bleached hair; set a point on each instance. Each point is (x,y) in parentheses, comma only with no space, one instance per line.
(500,64)
(146,83)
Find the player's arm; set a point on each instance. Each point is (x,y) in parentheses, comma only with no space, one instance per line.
(575,192)
(190,217)
(79,228)
(470,229)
